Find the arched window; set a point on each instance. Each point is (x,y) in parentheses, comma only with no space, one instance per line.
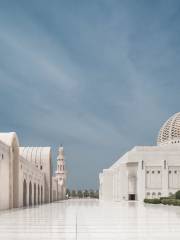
(153,195)
(148,194)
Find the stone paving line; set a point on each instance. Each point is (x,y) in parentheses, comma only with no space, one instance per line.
(95,220)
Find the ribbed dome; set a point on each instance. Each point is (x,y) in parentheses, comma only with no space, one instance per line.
(170,131)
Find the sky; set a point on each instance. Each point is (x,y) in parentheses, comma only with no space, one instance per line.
(99,77)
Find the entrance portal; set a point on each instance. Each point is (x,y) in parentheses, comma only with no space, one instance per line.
(132,197)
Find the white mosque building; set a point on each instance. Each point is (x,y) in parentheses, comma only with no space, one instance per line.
(26,174)
(146,171)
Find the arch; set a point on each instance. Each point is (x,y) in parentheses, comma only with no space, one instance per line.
(24,193)
(41,194)
(30,193)
(38,195)
(34,194)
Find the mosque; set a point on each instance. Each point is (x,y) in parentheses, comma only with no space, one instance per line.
(146,171)
(26,174)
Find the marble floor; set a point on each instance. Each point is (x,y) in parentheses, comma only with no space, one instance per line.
(91,219)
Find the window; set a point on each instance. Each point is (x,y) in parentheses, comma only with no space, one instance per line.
(153,172)
(2,156)
(159,171)
(41,167)
(153,193)
(159,194)
(169,171)
(147,172)
(170,194)
(175,172)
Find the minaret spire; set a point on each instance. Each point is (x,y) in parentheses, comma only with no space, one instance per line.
(61,172)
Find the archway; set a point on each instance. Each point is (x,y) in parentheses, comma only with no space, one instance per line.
(41,194)
(38,195)
(34,194)
(30,194)
(132,188)
(24,193)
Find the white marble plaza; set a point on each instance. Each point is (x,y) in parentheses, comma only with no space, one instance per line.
(95,220)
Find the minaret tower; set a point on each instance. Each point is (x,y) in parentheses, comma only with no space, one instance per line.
(61,174)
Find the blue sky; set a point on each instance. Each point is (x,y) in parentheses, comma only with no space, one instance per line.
(97,76)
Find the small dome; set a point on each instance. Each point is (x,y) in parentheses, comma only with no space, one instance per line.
(61,153)
(61,150)
(170,131)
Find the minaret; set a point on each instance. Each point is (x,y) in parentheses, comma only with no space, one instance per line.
(61,174)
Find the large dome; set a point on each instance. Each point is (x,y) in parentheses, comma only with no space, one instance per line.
(170,131)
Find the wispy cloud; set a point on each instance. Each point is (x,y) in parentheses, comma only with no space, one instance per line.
(99,77)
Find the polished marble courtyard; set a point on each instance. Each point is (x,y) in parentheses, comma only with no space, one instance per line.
(91,219)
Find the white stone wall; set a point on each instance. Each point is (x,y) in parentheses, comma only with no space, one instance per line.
(41,158)
(54,189)
(26,175)
(4,176)
(144,171)
(31,175)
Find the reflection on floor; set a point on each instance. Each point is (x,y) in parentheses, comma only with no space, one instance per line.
(95,220)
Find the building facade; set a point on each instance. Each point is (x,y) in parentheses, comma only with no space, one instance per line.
(146,171)
(25,174)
